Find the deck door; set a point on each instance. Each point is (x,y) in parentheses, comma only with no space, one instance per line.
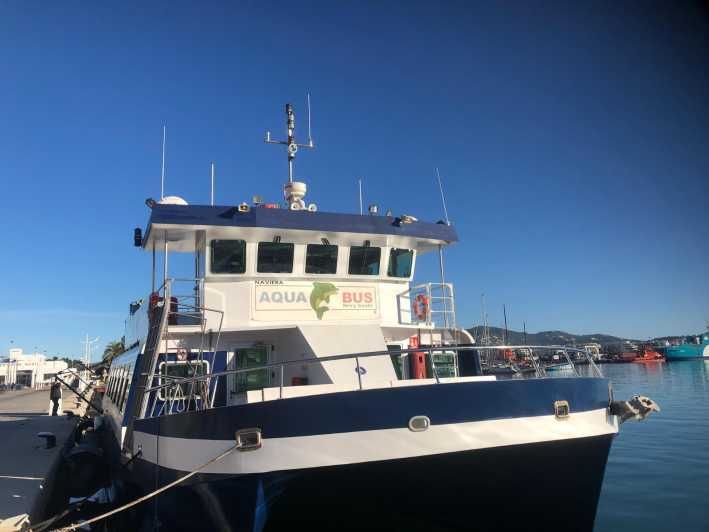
(246,357)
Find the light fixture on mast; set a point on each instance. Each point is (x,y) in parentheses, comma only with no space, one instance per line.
(294,191)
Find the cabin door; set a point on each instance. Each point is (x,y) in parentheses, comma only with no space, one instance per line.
(245,358)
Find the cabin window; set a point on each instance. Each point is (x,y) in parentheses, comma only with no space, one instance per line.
(400,261)
(228,256)
(181,370)
(117,384)
(321,258)
(126,387)
(364,260)
(275,257)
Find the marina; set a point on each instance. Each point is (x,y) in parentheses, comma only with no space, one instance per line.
(298,359)
(402,267)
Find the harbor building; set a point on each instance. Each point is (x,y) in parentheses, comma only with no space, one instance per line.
(31,370)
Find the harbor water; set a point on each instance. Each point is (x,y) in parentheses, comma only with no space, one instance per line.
(657,479)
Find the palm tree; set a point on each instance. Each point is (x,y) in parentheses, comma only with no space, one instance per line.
(113,349)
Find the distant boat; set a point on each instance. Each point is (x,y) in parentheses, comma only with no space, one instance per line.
(559,367)
(693,347)
(648,354)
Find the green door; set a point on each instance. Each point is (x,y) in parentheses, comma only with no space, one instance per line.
(250,357)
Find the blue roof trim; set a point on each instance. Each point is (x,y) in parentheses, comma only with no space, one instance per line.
(287,219)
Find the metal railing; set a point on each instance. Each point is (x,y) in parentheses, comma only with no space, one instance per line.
(438,309)
(538,358)
(190,307)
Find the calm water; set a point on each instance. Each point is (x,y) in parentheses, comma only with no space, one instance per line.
(657,477)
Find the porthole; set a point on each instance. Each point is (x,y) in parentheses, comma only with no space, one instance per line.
(419,423)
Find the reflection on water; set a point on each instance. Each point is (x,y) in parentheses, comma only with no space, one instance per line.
(657,477)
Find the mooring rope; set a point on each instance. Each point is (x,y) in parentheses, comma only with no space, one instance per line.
(149,495)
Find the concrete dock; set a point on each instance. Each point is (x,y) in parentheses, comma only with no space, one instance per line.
(24,460)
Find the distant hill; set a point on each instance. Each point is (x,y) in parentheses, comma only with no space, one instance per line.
(546,337)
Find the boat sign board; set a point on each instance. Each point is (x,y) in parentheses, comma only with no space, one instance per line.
(276,300)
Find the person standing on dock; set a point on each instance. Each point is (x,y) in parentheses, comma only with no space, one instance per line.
(55,394)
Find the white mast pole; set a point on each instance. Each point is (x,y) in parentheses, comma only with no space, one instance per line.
(443,198)
(212,173)
(360,197)
(162,173)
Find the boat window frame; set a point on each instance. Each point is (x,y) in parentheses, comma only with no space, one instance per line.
(268,243)
(379,262)
(111,383)
(244,261)
(125,388)
(411,265)
(336,258)
(161,381)
(119,383)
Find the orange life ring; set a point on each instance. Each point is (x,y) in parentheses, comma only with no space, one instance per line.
(421,307)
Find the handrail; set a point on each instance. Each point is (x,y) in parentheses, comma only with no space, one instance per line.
(332,358)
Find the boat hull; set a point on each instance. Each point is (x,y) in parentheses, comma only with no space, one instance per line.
(687,352)
(503,488)
(350,461)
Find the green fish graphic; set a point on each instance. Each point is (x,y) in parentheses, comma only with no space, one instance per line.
(321,294)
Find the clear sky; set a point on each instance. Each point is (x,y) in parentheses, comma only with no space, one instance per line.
(571,137)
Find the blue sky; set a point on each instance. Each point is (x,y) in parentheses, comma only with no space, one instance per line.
(572,140)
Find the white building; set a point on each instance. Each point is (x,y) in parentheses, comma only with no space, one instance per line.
(32,370)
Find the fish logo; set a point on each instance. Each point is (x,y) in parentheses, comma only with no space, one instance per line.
(321,294)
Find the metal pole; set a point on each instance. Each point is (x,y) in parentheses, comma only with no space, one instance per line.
(162,173)
(212,203)
(153,290)
(360,198)
(504,310)
(443,286)
(164,266)
(443,198)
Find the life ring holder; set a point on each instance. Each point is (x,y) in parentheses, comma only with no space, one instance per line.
(421,307)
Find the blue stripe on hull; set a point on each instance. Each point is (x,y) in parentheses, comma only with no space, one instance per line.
(498,489)
(385,408)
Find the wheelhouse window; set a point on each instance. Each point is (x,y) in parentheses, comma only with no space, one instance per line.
(275,257)
(181,370)
(400,261)
(228,256)
(364,260)
(321,259)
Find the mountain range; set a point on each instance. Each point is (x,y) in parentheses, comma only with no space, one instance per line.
(546,337)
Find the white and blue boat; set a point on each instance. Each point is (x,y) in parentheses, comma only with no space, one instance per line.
(299,379)
(692,348)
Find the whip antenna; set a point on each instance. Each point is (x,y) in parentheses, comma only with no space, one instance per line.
(443,197)
(162,173)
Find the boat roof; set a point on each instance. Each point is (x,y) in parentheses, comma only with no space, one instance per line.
(179,222)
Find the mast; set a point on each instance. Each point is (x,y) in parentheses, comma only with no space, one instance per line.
(294,191)
(504,310)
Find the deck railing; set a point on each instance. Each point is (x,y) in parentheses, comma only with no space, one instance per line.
(513,361)
(437,308)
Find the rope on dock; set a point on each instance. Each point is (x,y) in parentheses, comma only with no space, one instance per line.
(149,495)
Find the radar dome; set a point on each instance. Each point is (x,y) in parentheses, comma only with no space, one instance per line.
(172,200)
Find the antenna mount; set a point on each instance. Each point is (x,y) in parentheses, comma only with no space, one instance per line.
(293,191)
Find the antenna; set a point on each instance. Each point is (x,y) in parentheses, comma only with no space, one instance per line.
(443,198)
(310,137)
(212,175)
(361,212)
(162,173)
(293,191)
